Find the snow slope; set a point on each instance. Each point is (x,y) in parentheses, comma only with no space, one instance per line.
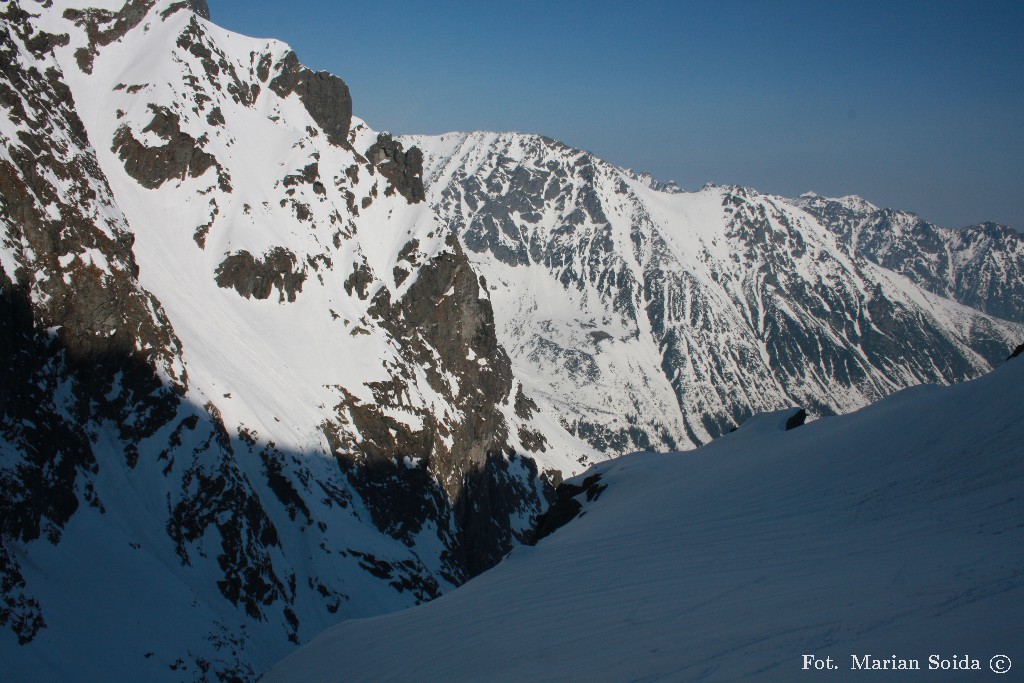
(895,530)
(981,265)
(647,318)
(248,387)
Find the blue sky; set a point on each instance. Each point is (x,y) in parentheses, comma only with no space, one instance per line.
(914,105)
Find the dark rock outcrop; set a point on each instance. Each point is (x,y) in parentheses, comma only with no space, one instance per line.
(492,496)
(444,318)
(200,7)
(256,278)
(359,279)
(181,157)
(566,508)
(325,96)
(408,476)
(797,419)
(403,169)
(222,499)
(220,72)
(104,27)
(1016,352)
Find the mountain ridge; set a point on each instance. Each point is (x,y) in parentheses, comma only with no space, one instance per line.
(266,483)
(589,262)
(270,368)
(979,265)
(885,531)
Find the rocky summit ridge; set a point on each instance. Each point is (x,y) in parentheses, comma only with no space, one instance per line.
(250,385)
(265,368)
(653,319)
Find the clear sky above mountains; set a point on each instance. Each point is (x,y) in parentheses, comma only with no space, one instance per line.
(915,105)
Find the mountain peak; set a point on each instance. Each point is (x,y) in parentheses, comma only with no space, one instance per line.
(270,369)
(200,7)
(857,202)
(850,202)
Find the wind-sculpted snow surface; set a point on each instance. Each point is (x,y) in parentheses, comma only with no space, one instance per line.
(893,532)
(650,318)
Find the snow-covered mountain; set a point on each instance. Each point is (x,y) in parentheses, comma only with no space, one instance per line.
(250,386)
(981,266)
(891,533)
(651,318)
(263,369)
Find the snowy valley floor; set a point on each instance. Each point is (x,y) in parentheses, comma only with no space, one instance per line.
(896,530)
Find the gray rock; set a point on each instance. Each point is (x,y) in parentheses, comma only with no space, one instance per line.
(325,96)
(403,169)
(182,156)
(104,27)
(797,419)
(566,507)
(200,7)
(256,278)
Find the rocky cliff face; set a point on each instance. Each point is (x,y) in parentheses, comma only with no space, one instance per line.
(266,369)
(245,395)
(404,169)
(981,266)
(650,318)
(83,344)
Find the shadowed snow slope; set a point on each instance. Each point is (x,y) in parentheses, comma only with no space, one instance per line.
(895,530)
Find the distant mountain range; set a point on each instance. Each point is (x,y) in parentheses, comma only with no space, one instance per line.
(265,368)
(651,318)
(980,266)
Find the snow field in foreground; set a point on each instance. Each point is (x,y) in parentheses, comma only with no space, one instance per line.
(895,530)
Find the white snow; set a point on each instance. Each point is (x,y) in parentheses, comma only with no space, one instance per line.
(278,370)
(717,306)
(893,530)
(280,362)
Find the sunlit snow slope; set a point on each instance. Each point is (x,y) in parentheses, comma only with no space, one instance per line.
(249,385)
(893,530)
(645,317)
(978,265)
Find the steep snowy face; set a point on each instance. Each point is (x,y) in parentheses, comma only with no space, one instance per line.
(82,345)
(649,318)
(251,385)
(981,266)
(893,530)
(297,271)
(255,383)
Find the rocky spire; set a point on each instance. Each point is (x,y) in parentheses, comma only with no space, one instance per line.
(200,7)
